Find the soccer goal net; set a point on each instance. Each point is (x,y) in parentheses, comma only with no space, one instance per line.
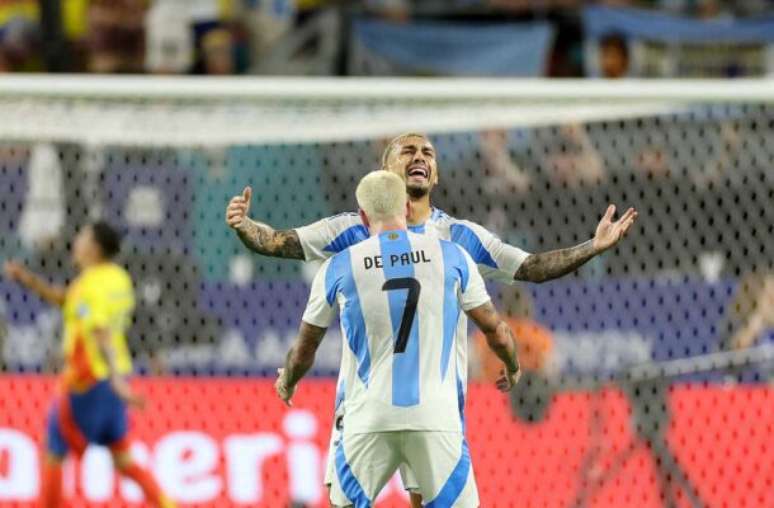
(646,372)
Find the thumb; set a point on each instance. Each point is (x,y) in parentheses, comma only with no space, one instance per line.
(247,194)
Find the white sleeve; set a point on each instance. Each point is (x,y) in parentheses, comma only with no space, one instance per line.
(496,259)
(473,293)
(321,307)
(331,235)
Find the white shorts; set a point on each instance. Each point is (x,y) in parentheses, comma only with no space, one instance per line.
(364,463)
(406,476)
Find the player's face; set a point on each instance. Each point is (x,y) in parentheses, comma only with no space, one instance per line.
(84,247)
(413,159)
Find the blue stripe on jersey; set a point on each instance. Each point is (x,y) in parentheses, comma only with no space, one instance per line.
(341,392)
(348,238)
(405,366)
(453,487)
(340,277)
(453,265)
(333,278)
(349,484)
(461,400)
(469,240)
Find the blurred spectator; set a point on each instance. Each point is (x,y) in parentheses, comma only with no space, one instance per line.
(169,38)
(268,22)
(613,56)
(506,176)
(570,157)
(116,36)
(750,316)
(533,339)
(218,57)
(20,45)
(530,399)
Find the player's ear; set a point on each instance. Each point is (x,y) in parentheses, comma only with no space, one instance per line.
(364,218)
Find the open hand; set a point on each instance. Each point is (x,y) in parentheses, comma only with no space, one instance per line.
(610,233)
(14,271)
(238,208)
(283,390)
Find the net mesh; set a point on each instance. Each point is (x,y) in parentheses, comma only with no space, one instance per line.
(647,372)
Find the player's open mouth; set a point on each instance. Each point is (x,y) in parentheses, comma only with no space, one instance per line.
(418,172)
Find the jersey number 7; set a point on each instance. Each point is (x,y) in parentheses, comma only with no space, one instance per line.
(414,288)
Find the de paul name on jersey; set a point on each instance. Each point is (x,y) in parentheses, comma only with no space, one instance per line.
(406,258)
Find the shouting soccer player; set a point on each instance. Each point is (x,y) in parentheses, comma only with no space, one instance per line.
(413,158)
(94,393)
(400,296)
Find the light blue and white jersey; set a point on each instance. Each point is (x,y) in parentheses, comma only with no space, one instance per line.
(401,297)
(495,259)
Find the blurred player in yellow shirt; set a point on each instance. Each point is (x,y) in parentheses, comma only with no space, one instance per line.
(92,403)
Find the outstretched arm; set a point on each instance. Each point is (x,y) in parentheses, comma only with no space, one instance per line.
(260,237)
(556,263)
(499,338)
(55,295)
(299,360)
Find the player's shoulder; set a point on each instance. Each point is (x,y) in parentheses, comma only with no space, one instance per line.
(456,224)
(345,218)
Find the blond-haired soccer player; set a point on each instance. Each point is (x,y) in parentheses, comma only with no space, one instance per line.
(91,406)
(413,158)
(400,296)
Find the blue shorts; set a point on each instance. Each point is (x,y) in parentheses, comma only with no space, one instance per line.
(95,416)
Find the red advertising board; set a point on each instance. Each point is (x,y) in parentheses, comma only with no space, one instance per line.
(231,442)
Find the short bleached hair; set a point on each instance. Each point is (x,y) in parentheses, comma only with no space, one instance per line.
(381,195)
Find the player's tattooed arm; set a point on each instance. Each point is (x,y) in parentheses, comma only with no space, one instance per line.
(299,360)
(260,237)
(263,239)
(556,263)
(500,340)
(545,266)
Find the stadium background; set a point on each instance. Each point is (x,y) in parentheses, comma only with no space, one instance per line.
(641,393)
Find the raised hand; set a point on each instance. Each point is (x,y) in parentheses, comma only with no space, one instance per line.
(238,208)
(610,233)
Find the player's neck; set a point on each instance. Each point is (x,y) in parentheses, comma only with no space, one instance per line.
(377,228)
(419,210)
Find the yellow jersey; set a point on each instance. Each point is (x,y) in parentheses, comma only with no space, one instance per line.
(100,298)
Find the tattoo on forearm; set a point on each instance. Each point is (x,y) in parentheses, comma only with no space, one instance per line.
(556,263)
(263,239)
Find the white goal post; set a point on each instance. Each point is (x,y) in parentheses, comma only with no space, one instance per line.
(190,111)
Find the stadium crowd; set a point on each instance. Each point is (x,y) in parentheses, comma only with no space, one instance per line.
(226,37)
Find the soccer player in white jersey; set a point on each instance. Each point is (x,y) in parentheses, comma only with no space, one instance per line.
(400,296)
(413,158)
